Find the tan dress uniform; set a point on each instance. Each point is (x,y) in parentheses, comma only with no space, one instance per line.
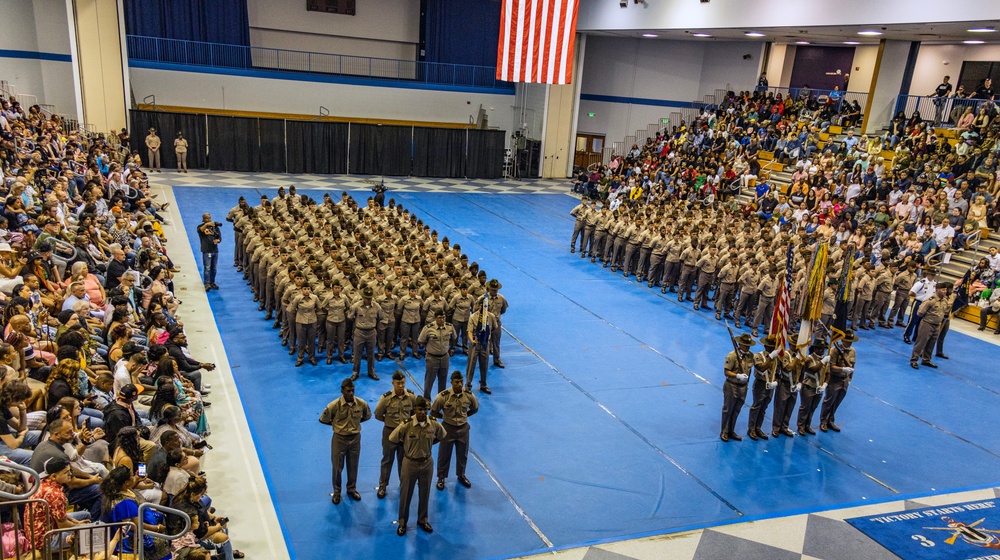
(932,313)
(392,410)
(437,342)
(346,418)
(454,410)
(416,441)
(366,318)
(841,373)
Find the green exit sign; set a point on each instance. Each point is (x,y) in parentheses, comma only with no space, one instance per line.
(665,121)
(591,115)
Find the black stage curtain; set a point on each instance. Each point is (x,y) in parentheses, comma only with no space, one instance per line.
(381,149)
(438,152)
(167,126)
(272,146)
(316,147)
(233,143)
(485,156)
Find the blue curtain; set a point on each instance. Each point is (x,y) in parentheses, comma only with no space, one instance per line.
(210,21)
(462,31)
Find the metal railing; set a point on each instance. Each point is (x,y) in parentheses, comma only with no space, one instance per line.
(841,97)
(217,55)
(940,110)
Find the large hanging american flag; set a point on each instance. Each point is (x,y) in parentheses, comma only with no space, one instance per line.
(782,307)
(536,41)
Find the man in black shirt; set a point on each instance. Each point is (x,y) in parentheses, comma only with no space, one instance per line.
(940,95)
(116,268)
(210,234)
(985,91)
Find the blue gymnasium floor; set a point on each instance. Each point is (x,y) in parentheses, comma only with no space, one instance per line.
(604,424)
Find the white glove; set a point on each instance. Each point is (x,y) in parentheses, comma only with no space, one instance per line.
(825,360)
(821,388)
(774,354)
(796,388)
(742,376)
(772,385)
(847,370)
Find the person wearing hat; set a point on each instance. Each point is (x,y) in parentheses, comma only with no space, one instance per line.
(409,308)
(901,283)
(453,407)
(52,490)
(883,289)
(930,317)
(345,415)
(765,367)
(461,304)
(437,339)
(416,436)
(789,379)
(337,307)
(951,296)
(366,315)
(921,291)
(304,306)
(153,150)
(480,334)
(767,287)
(842,360)
(815,375)
(580,212)
(587,245)
(734,390)
(181,151)
(393,408)
(497,305)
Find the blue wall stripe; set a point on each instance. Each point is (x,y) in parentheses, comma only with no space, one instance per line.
(321,78)
(641,101)
(56,57)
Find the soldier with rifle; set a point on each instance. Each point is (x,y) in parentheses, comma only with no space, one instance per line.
(765,368)
(815,375)
(734,391)
(842,360)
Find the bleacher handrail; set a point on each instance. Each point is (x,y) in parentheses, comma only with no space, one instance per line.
(220,55)
(35,479)
(162,509)
(927,106)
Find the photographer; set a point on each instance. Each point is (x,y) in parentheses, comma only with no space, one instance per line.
(210,234)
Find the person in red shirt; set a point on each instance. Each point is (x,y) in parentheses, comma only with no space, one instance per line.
(51,490)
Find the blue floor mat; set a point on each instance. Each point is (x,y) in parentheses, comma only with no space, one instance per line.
(605,422)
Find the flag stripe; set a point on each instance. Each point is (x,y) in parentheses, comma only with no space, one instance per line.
(537,38)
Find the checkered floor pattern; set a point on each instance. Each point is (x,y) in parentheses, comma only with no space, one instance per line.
(361,182)
(815,536)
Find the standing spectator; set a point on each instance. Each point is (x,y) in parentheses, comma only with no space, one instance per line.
(210,234)
(153,150)
(940,95)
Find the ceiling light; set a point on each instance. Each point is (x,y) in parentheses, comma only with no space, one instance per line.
(754,34)
(851,43)
(982,30)
(973,42)
(869,33)
(700,35)
(649,34)
(802,42)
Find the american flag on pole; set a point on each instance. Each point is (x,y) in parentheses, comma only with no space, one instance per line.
(782,307)
(536,41)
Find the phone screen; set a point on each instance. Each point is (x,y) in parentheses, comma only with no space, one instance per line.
(141,471)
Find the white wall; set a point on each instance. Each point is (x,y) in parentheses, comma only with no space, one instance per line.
(683,71)
(934,62)
(38,26)
(863,67)
(381,28)
(887,84)
(748,14)
(190,89)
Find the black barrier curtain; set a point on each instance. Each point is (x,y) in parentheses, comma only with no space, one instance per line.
(316,147)
(438,152)
(485,154)
(167,126)
(381,149)
(233,143)
(272,146)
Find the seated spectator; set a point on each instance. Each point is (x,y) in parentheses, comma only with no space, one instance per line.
(83,488)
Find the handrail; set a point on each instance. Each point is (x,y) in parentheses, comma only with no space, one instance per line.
(217,55)
(973,240)
(928,105)
(36,481)
(162,509)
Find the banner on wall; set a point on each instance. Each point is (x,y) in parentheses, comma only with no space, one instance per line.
(966,531)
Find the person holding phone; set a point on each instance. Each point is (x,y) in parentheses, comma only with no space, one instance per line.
(210,235)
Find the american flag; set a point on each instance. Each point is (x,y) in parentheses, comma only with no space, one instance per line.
(782,307)
(536,41)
